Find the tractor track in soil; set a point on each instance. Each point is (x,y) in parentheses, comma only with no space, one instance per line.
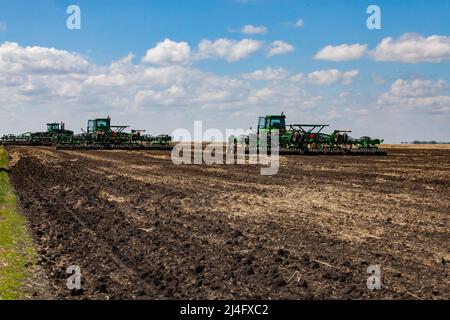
(141,227)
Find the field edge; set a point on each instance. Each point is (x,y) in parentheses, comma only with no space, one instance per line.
(17,252)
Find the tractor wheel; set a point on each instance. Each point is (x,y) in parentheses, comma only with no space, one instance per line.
(345,138)
(337,138)
(298,137)
(302,137)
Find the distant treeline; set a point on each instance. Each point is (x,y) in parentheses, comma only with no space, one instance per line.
(425,142)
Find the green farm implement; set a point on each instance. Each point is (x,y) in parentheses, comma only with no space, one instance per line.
(101,135)
(55,132)
(307,139)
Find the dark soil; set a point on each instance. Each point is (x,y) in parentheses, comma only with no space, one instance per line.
(140,227)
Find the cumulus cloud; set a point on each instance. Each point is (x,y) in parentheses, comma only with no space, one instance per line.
(45,77)
(413,48)
(14,58)
(280,47)
(230,50)
(418,93)
(416,87)
(251,29)
(285,96)
(169,52)
(128,88)
(48,84)
(343,52)
(326,77)
(189,88)
(267,74)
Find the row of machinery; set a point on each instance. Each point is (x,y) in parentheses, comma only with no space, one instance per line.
(292,138)
(99,134)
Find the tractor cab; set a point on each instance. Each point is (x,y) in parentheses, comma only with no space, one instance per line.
(57,128)
(53,127)
(101,124)
(270,122)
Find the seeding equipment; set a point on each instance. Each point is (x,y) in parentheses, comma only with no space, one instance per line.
(55,132)
(308,139)
(100,134)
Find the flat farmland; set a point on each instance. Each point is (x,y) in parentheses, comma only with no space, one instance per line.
(141,227)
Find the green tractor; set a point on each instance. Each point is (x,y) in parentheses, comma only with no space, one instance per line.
(55,132)
(308,138)
(100,134)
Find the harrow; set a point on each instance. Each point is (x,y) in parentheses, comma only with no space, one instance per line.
(307,139)
(75,146)
(54,132)
(101,135)
(301,139)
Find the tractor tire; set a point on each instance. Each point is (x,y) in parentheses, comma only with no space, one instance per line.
(345,138)
(298,137)
(337,138)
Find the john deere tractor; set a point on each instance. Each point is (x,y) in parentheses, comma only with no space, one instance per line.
(55,132)
(309,138)
(100,134)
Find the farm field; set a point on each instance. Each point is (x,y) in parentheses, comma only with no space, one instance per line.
(140,227)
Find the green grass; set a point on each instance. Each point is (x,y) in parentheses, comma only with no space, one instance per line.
(17,253)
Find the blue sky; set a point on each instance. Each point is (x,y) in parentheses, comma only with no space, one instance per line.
(377,100)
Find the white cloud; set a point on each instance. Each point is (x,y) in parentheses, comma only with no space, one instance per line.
(14,58)
(135,91)
(169,52)
(326,77)
(192,88)
(166,97)
(49,77)
(283,96)
(299,23)
(299,77)
(2,26)
(413,48)
(418,93)
(416,87)
(39,84)
(267,74)
(251,29)
(409,48)
(230,50)
(343,52)
(280,47)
